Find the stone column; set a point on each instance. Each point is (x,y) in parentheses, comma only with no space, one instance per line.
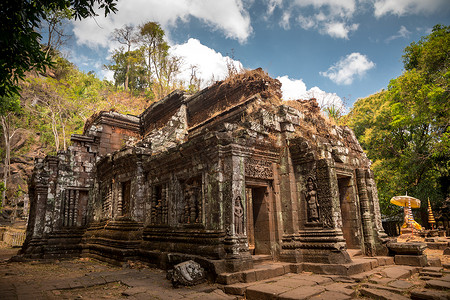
(289,208)
(235,243)
(380,236)
(137,208)
(369,243)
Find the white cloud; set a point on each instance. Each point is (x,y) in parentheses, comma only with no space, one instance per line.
(408,7)
(339,30)
(402,33)
(329,17)
(210,64)
(348,68)
(294,89)
(285,19)
(227,16)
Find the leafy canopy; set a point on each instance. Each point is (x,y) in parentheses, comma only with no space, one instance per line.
(20,48)
(405,129)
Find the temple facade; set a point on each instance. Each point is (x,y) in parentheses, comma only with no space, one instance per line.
(219,176)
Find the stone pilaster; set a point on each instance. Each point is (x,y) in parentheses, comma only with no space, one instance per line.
(233,188)
(367,224)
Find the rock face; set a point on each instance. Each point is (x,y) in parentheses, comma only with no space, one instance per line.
(220,175)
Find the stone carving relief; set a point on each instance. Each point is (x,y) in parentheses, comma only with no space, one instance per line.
(159,204)
(73,207)
(324,197)
(238,216)
(106,199)
(256,168)
(192,211)
(311,201)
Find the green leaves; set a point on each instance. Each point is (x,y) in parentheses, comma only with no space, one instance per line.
(405,130)
(20,48)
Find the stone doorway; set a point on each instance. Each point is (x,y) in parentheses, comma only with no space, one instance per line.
(349,212)
(258,220)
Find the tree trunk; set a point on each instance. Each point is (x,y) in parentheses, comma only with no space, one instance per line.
(55,132)
(8,133)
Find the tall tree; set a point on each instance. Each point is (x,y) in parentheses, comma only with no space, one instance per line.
(405,129)
(20,48)
(8,108)
(129,69)
(128,37)
(54,26)
(156,49)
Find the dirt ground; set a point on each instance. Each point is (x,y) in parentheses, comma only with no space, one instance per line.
(84,278)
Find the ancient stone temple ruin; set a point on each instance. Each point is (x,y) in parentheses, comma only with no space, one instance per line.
(219,176)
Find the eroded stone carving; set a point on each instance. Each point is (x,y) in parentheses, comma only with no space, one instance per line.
(238,216)
(192,212)
(159,204)
(312,202)
(187,273)
(257,168)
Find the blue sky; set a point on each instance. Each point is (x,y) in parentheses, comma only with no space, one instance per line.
(333,50)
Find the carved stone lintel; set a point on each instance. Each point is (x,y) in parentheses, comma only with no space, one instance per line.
(256,168)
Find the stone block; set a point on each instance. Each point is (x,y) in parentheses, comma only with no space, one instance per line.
(303,292)
(381,294)
(411,260)
(438,284)
(437,245)
(401,284)
(229,278)
(409,248)
(385,260)
(236,289)
(429,295)
(264,291)
(431,274)
(249,276)
(327,295)
(434,262)
(397,272)
(343,288)
(432,269)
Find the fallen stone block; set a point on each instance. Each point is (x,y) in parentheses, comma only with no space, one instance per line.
(187,273)
(411,260)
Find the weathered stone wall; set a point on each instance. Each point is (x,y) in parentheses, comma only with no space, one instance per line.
(228,172)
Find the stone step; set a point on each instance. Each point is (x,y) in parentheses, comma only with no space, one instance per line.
(429,295)
(354,252)
(431,274)
(261,259)
(381,294)
(259,272)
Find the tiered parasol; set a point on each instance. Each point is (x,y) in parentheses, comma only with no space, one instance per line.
(408,202)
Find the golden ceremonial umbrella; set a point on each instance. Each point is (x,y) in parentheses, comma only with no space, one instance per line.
(405,201)
(408,202)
